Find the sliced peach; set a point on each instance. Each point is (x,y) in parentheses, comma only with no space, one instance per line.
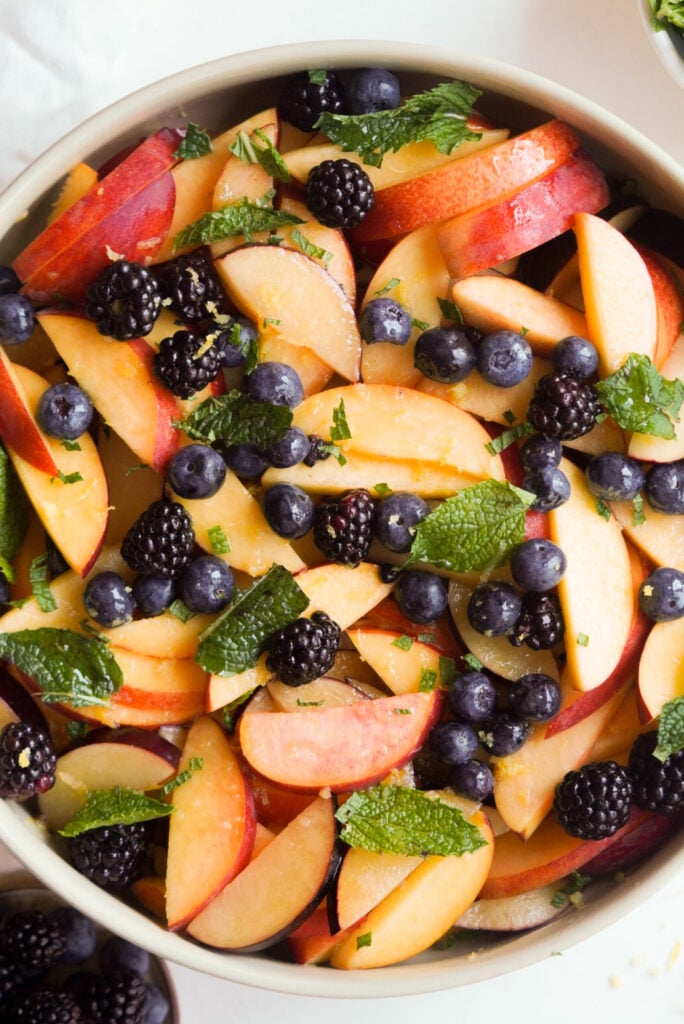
(661,668)
(401,666)
(80,178)
(660,537)
(650,447)
(18,428)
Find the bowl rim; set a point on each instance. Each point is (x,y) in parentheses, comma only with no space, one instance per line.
(24,836)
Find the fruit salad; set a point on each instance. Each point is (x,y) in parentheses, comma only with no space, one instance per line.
(342,523)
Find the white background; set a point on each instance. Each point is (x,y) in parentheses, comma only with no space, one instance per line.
(61,60)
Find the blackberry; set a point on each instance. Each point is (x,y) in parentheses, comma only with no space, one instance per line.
(116,998)
(319,450)
(27,761)
(34,941)
(657,785)
(309,94)
(304,650)
(12,978)
(124,301)
(186,363)
(594,801)
(160,541)
(189,286)
(563,406)
(343,527)
(339,193)
(540,624)
(110,856)
(43,1004)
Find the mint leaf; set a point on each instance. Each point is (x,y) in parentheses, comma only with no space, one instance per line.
(115,807)
(309,249)
(508,437)
(14,508)
(396,819)
(66,666)
(339,431)
(403,642)
(240,218)
(640,399)
(234,641)
(40,588)
(195,144)
(438,115)
(450,310)
(195,765)
(220,544)
(245,148)
(236,418)
(670,729)
(474,529)
(392,283)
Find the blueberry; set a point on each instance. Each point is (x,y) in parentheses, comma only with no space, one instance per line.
(422,596)
(538,451)
(613,476)
(17,319)
(503,734)
(274,382)
(550,485)
(473,780)
(9,282)
(494,608)
(64,411)
(57,563)
(288,510)
(156,1006)
(117,953)
(80,934)
(535,697)
(664,487)
(206,585)
(196,471)
(290,449)
(234,341)
(373,89)
(444,354)
(108,599)
(153,594)
(396,518)
(472,696)
(537,564)
(661,594)
(4,589)
(385,319)
(504,358)
(245,460)
(575,355)
(453,742)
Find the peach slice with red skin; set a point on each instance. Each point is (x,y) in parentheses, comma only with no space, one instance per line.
(618,293)
(128,212)
(213,823)
(278,889)
(344,747)
(480,179)
(18,428)
(659,537)
(336,259)
(240,180)
(490,235)
(401,667)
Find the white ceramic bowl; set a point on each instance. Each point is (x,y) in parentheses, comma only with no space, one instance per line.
(217,94)
(667,42)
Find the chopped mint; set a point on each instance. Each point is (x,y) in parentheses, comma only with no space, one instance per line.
(403,711)
(427,681)
(247,149)
(234,641)
(308,247)
(77,730)
(472,662)
(135,469)
(420,325)
(196,143)
(40,587)
(14,519)
(508,437)
(229,711)
(220,544)
(339,430)
(450,310)
(68,478)
(330,448)
(195,764)
(396,819)
(317,76)
(427,638)
(180,610)
(575,884)
(603,509)
(235,418)
(310,703)
(510,417)
(271,320)
(240,218)
(69,445)
(382,489)
(447,670)
(474,529)
(66,666)
(439,115)
(582,640)
(638,514)
(640,399)
(392,283)
(670,729)
(115,807)
(404,643)
(364,940)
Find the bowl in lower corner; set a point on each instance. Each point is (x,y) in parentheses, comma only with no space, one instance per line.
(513,96)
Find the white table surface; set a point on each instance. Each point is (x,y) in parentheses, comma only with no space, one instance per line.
(61,60)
